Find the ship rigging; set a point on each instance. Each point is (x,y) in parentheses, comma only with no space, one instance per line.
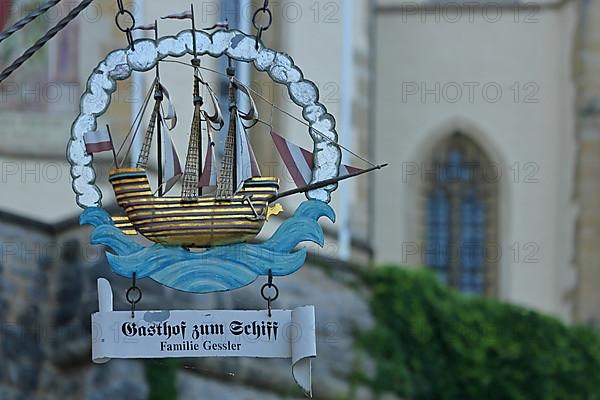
(215,207)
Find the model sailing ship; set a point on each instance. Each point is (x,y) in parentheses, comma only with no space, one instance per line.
(234,212)
(215,208)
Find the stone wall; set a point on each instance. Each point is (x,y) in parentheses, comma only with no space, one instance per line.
(48,291)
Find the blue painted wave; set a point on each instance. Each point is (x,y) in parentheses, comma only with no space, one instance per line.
(216,269)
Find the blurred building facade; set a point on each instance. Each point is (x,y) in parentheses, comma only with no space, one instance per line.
(483,105)
(492,109)
(486,114)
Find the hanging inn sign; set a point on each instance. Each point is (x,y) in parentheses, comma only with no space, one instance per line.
(161,334)
(190,230)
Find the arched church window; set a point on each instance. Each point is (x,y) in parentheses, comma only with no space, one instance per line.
(460,216)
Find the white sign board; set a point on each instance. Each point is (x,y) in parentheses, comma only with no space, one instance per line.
(222,333)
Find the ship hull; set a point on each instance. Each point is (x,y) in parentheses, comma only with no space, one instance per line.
(202,222)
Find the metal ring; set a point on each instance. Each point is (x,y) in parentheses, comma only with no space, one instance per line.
(124,12)
(128,295)
(264,11)
(268,298)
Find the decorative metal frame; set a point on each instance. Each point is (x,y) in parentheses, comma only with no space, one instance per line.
(120,64)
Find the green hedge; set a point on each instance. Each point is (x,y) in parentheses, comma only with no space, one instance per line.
(161,377)
(434,343)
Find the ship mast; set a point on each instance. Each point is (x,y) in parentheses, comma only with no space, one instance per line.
(193,161)
(142,161)
(193,164)
(159,122)
(227,174)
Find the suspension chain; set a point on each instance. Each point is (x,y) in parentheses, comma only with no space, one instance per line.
(270,298)
(260,27)
(125,21)
(133,295)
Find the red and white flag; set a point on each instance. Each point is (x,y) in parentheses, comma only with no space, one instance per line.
(348,169)
(97,141)
(220,24)
(171,164)
(148,27)
(299,161)
(182,15)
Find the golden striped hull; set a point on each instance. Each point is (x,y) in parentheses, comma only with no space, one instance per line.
(203,222)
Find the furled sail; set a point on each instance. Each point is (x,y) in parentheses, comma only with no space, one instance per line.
(171,114)
(215,120)
(249,118)
(246,164)
(246,160)
(171,165)
(209,174)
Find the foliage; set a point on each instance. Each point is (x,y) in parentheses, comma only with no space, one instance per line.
(431,342)
(161,375)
